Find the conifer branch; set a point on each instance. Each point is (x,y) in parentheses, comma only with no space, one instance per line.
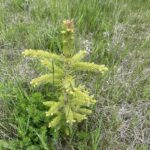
(47,78)
(40,54)
(90,67)
(79,56)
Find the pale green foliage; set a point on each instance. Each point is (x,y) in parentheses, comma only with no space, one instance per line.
(91,67)
(74,103)
(40,54)
(47,78)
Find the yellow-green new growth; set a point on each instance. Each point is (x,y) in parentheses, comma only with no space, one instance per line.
(74,103)
(40,54)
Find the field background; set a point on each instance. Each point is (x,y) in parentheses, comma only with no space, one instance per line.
(115,33)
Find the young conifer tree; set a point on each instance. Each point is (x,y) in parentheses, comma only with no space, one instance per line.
(74,103)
